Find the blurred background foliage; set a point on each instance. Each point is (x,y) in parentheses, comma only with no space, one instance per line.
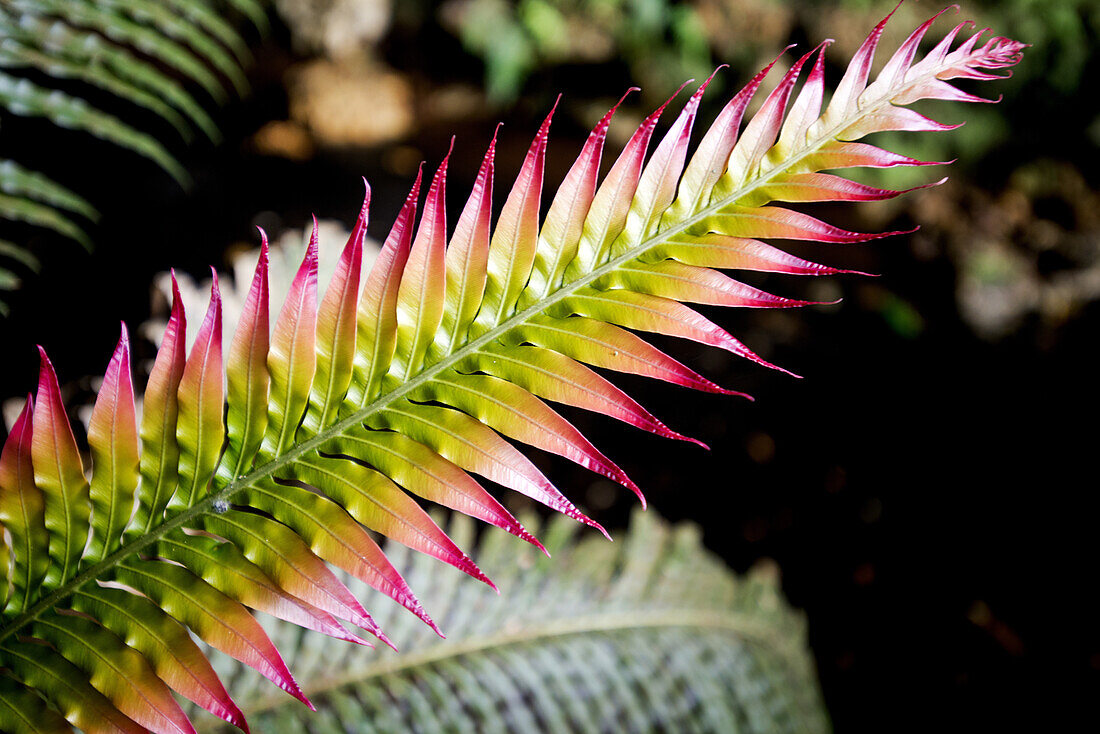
(921,490)
(519,54)
(647,634)
(58,60)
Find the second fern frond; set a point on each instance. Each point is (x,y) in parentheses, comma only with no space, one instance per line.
(145,53)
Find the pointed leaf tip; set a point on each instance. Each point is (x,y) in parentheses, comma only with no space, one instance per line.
(313,238)
(214,311)
(47,378)
(179,313)
(703,87)
(599,527)
(366,198)
(605,121)
(384,639)
(627,93)
(688,439)
(539,143)
(359,231)
(657,112)
(535,542)
(582,518)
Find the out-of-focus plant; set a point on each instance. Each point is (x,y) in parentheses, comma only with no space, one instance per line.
(661,41)
(1030,250)
(143,53)
(249,475)
(650,633)
(340,92)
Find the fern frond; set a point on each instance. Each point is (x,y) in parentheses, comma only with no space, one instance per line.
(23,97)
(14,56)
(25,209)
(18,181)
(33,198)
(338,415)
(104,64)
(130,23)
(574,640)
(136,50)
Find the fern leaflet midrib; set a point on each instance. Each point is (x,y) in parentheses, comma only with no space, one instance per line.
(742,624)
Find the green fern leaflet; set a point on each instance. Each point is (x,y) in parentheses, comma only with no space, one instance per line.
(241,486)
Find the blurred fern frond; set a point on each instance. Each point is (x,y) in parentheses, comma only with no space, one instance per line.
(573,645)
(56,55)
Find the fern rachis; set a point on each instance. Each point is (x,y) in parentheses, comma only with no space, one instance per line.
(337,413)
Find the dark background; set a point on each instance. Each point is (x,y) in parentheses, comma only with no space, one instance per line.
(927,491)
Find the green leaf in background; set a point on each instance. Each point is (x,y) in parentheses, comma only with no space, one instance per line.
(650,633)
(143,52)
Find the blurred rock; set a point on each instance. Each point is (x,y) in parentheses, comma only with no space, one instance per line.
(335,28)
(1033,249)
(350,102)
(453,102)
(730,25)
(341,95)
(284,139)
